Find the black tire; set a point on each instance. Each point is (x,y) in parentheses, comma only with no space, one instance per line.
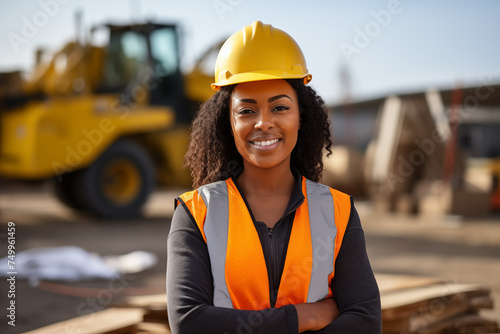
(118,183)
(66,190)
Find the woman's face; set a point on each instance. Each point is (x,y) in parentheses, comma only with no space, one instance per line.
(265,121)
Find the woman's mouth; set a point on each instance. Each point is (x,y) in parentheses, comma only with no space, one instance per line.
(266,144)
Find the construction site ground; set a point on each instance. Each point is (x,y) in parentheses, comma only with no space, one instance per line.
(456,249)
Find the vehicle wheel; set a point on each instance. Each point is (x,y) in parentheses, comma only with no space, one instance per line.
(119,182)
(66,190)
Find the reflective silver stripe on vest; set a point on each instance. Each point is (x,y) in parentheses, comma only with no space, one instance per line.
(323,233)
(216,226)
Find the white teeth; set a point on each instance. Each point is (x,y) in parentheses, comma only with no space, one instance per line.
(266,143)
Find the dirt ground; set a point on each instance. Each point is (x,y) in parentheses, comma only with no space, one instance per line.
(462,251)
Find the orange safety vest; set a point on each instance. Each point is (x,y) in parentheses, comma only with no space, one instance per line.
(237,259)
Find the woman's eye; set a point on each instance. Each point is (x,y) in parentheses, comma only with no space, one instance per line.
(280,108)
(245,111)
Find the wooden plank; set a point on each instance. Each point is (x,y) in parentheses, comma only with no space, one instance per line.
(110,321)
(144,301)
(433,312)
(409,298)
(152,328)
(463,324)
(390,282)
(155,307)
(156,314)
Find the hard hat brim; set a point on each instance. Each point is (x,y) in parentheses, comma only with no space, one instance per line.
(259,76)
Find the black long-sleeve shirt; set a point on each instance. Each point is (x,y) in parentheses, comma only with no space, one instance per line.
(190,283)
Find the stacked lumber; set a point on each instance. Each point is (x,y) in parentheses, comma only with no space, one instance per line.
(431,306)
(154,319)
(136,315)
(110,321)
(410,305)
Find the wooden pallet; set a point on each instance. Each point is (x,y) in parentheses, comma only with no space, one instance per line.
(431,306)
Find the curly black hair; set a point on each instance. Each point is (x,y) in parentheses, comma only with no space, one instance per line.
(212,154)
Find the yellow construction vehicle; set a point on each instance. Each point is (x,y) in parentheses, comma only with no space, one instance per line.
(107,123)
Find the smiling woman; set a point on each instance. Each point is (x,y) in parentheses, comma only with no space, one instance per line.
(260,246)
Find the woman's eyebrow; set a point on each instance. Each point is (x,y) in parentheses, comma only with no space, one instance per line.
(248,101)
(271,99)
(274,98)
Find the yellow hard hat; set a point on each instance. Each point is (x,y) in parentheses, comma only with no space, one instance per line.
(259,52)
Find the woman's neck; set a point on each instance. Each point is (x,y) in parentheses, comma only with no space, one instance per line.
(278,180)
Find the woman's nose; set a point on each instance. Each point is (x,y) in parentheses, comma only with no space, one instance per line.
(265,122)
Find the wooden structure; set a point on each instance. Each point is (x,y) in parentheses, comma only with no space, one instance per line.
(416,153)
(431,306)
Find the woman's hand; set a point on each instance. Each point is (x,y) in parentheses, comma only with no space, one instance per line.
(315,316)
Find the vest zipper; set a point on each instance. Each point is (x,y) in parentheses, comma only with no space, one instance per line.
(272,295)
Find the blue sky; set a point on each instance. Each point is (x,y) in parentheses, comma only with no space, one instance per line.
(388,47)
